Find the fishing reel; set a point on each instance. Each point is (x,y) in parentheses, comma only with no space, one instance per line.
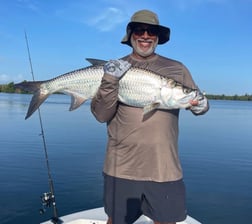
(47,200)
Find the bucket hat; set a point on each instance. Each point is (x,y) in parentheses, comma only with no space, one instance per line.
(150,18)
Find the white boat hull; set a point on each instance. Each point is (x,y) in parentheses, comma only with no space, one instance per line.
(98,216)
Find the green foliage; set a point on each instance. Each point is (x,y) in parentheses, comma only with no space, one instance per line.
(245,97)
(10,88)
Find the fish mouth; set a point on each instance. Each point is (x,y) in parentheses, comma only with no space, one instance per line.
(187,98)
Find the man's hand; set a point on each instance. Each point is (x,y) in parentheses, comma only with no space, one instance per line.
(116,68)
(199,104)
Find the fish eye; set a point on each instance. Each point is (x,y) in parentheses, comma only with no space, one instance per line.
(186,90)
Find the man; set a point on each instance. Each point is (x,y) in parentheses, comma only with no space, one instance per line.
(142,171)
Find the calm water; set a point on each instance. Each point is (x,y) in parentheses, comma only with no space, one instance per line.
(216,154)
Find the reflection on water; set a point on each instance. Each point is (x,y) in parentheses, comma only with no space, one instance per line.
(215,152)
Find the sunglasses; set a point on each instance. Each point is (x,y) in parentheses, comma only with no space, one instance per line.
(152,31)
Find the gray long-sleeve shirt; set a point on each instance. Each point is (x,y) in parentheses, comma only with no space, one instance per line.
(137,148)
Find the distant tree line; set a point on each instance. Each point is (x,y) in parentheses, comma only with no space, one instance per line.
(245,97)
(9,88)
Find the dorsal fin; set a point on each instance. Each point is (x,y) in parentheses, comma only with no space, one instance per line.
(94,61)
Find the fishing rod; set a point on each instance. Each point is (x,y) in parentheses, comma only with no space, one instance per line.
(48,198)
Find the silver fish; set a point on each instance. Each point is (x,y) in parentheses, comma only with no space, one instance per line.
(138,87)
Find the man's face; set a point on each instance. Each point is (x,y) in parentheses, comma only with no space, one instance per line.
(144,40)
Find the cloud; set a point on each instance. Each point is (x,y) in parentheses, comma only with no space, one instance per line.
(5,79)
(103,18)
(28,4)
(107,20)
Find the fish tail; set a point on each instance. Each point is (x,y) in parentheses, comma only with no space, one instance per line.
(31,87)
(38,97)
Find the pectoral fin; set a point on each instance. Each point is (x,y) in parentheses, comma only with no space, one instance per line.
(76,101)
(147,109)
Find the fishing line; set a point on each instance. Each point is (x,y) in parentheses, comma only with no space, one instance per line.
(48,198)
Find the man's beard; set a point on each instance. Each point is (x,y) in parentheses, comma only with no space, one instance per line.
(139,51)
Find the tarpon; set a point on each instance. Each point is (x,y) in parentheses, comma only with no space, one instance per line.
(138,87)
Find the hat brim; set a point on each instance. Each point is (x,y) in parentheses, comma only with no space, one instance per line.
(163,35)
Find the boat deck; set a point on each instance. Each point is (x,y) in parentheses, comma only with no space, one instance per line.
(98,216)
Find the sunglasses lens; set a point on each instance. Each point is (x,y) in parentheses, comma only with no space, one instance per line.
(138,32)
(151,31)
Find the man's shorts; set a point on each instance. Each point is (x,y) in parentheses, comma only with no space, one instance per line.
(126,200)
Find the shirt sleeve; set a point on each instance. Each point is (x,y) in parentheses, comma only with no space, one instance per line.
(203,105)
(104,103)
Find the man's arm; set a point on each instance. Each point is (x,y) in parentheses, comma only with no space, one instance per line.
(104,104)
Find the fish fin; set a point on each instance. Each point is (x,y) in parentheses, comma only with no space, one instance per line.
(76,101)
(94,61)
(38,97)
(147,109)
(35,103)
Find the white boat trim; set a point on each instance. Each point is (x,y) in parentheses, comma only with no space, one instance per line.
(98,216)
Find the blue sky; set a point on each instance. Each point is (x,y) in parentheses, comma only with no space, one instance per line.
(211,37)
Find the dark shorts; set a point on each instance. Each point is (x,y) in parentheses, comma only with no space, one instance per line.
(126,200)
